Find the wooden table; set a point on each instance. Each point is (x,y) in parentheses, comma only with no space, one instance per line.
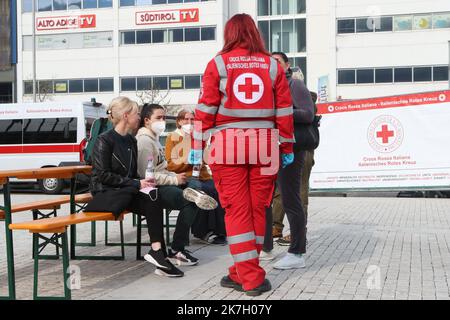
(68,172)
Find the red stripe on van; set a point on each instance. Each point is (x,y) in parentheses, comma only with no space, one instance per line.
(39,149)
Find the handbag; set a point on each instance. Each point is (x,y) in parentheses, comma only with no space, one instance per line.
(307,135)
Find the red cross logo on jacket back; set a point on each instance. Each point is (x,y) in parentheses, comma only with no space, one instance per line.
(248,88)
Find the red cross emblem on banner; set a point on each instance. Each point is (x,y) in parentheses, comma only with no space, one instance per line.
(385,133)
(248,88)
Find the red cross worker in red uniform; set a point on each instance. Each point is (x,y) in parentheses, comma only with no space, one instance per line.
(245,111)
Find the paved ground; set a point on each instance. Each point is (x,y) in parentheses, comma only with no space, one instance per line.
(359,248)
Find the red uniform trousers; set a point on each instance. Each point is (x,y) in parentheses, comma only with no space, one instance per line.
(245,194)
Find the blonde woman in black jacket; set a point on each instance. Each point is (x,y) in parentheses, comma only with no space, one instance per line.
(115,183)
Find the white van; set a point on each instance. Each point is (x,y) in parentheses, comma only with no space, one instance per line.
(39,135)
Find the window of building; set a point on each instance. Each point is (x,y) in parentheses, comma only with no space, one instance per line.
(144,83)
(365,76)
(74,4)
(50,130)
(128,37)
(128,84)
(27,6)
(160,83)
(89,4)
(440,73)
(174,1)
(383,24)
(106,85)
(159,1)
(126,3)
(59,5)
(403,23)
(105,3)
(422,22)
(208,33)
(143,2)
(144,36)
(263,7)
(423,74)
(346,77)
(346,26)
(403,74)
(441,20)
(159,36)
(176,35)
(192,82)
(365,25)
(60,86)
(192,34)
(45,5)
(45,86)
(11,131)
(176,82)
(91,85)
(75,86)
(28,87)
(263,27)
(384,75)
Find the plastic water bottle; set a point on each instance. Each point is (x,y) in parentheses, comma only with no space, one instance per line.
(149,171)
(196,171)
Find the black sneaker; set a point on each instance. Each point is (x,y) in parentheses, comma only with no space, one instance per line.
(264,287)
(173,272)
(219,240)
(182,258)
(227,282)
(158,259)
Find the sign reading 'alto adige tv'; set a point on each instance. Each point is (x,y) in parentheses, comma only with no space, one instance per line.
(66,22)
(167,16)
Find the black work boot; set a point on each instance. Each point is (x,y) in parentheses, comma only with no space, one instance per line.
(264,287)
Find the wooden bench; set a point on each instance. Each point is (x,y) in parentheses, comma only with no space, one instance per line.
(58,227)
(49,204)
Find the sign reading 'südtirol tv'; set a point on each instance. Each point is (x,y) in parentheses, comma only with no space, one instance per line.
(167,16)
(66,22)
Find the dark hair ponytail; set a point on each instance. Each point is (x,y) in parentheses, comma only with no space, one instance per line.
(147,110)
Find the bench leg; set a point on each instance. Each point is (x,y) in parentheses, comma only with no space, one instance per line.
(9,244)
(121,244)
(93,243)
(38,215)
(65,257)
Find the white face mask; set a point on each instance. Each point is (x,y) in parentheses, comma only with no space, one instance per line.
(187,128)
(158,127)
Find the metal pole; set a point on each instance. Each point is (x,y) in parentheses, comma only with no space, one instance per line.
(33,26)
(449,64)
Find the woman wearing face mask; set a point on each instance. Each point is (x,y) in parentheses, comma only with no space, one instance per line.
(210,226)
(115,183)
(170,185)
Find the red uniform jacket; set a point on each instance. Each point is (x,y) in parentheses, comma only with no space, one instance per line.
(244,91)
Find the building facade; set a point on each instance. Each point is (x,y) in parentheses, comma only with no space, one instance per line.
(8,52)
(156,50)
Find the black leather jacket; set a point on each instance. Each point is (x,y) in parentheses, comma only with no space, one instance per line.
(109,170)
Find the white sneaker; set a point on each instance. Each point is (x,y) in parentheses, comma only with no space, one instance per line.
(266,256)
(290,261)
(201,199)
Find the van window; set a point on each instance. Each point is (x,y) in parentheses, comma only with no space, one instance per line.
(11,131)
(50,130)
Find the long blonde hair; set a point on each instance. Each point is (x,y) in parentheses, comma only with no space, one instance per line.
(118,107)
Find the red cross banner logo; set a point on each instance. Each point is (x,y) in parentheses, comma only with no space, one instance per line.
(248,88)
(385,134)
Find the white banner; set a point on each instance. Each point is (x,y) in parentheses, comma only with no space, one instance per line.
(393,142)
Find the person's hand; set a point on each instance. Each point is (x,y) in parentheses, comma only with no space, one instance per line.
(181,178)
(145,183)
(195,157)
(286,159)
